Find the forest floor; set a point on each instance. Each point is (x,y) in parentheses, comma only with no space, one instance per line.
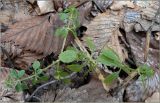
(28,43)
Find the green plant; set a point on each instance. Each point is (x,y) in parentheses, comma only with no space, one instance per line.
(17,79)
(72,56)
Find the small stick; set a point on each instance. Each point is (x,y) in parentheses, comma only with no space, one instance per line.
(49,83)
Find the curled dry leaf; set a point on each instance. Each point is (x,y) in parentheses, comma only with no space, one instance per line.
(33,39)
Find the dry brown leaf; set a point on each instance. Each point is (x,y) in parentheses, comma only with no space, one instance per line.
(136,92)
(155,98)
(91,92)
(118,5)
(104,32)
(137,44)
(150,11)
(33,39)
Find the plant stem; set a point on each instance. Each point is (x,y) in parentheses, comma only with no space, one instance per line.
(63,45)
(100,75)
(57,61)
(29,77)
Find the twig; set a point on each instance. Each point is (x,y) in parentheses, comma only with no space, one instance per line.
(48,83)
(148,34)
(63,45)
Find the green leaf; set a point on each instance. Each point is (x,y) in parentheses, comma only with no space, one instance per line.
(72,48)
(14,74)
(108,61)
(36,65)
(60,74)
(34,81)
(19,87)
(39,79)
(110,78)
(61,32)
(68,56)
(146,71)
(75,67)
(111,54)
(43,78)
(10,82)
(39,71)
(90,44)
(63,16)
(67,81)
(110,58)
(21,73)
(81,56)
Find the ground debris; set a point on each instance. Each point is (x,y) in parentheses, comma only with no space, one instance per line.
(17,43)
(91,92)
(6,94)
(27,35)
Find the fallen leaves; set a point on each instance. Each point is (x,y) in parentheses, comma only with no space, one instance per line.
(103,32)
(154,98)
(118,5)
(33,39)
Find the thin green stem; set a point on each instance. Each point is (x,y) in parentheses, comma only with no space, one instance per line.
(57,61)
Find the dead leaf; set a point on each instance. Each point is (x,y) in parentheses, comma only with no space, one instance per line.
(155,98)
(143,4)
(34,37)
(150,11)
(136,92)
(91,92)
(45,6)
(137,44)
(104,32)
(118,5)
